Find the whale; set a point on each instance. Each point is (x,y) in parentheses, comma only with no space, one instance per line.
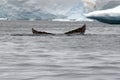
(40,32)
(80,30)
(109,16)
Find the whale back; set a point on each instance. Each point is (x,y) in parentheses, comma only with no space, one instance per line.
(80,30)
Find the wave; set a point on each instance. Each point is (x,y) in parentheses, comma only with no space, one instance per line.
(110,16)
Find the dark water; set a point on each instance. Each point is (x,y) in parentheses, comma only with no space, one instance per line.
(93,56)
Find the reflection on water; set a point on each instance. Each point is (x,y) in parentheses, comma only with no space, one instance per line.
(93,56)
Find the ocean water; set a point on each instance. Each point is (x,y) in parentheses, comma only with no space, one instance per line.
(93,56)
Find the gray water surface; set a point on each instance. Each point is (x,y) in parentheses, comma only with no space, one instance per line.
(93,56)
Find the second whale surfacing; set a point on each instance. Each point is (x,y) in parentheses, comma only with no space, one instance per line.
(80,30)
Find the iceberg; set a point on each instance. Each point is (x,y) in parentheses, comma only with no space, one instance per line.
(110,16)
(3,19)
